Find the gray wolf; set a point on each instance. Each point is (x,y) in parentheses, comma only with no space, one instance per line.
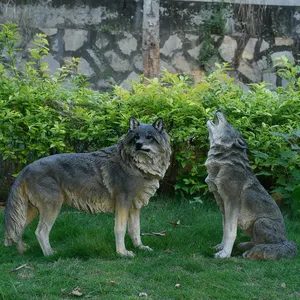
(119,179)
(243,201)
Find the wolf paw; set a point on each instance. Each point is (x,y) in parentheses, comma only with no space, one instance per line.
(21,247)
(245,254)
(219,247)
(146,248)
(126,253)
(222,254)
(49,252)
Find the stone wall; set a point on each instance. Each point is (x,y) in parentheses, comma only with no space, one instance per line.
(108,37)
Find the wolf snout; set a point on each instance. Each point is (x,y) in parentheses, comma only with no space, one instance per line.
(138,146)
(141,147)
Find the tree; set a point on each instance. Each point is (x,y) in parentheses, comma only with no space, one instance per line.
(151,53)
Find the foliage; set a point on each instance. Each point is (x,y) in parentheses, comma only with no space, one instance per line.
(43,113)
(39,116)
(213,24)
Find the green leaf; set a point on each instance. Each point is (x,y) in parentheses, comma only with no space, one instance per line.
(266,173)
(296,194)
(260,154)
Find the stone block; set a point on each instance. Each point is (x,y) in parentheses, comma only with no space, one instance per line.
(210,65)
(116,62)
(270,79)
(52,63)
(49,31)
(228,48)
(171,45)
(181,64)
(264,46)
(192,37)
(249,49)
(165,65)
(284,41)
(106,83)
(249,71)
(102,42)
(129,81)
(128,44)
(95,58)
(262,64)
(276,58)
(74,39)
(85,68)
(138,62)
(194,53)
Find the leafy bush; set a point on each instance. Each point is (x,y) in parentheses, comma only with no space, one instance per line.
(43,114)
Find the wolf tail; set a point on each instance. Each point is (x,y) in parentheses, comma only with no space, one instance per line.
(286,249)
(15,213)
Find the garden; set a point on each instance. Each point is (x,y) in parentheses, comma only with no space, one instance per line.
(43,114)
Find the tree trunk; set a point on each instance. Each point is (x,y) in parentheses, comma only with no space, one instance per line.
(151,38)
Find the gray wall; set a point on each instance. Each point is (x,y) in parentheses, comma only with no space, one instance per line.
(252,2)
(108,37)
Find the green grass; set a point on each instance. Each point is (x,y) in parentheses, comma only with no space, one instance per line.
(86,259)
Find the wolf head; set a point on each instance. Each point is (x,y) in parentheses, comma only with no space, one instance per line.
(148,147)
(223,134)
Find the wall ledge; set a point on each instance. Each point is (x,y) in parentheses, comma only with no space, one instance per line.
(251,2)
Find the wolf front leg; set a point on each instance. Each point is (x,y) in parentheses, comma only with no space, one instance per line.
(229,228)
(121,219)
(220,203)
(134,229)
(220,246)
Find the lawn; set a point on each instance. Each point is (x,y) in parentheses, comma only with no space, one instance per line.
(180,267)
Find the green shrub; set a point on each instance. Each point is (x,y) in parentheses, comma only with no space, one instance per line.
(43,114)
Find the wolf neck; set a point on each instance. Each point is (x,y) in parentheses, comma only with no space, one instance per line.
(153,167)
(228,156)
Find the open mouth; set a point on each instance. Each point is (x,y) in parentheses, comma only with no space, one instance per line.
(216,119)
(144,150)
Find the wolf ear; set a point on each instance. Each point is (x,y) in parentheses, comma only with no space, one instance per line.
(241,143)
(159,125)
(133,123)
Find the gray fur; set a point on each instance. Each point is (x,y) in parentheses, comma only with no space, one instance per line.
(242,199)
(119,179)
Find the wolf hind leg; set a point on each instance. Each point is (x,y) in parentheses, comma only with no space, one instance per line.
(268,231)
(32,213)
(245,246)
(134,230)
(48,215)
(286,249)
(270,243)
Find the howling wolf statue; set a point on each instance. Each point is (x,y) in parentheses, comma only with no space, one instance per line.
(242,199)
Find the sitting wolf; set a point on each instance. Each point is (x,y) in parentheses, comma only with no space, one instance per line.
(242,199)
(119,179)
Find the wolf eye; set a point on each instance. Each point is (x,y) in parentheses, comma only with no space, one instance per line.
(149,137)
(137,136)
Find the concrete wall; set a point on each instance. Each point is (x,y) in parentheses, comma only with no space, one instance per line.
(108,37)
(251,2)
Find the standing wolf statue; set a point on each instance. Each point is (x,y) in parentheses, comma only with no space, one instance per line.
(119,179)
(242,199)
